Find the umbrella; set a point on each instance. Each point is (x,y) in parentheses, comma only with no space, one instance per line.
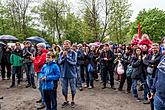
(36,39)
(48,45)
(2,44)
(8,38)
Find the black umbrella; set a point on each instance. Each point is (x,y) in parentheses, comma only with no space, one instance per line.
(36,39)
(8,38)
(2,44)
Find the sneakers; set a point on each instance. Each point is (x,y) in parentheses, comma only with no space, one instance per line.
(90,87)
(39,101)
(72,104)
(28,85)
(137,99)
(146,102)
(34,86)
(1,97)
(112,87)
(81,89)
(41,106)
(85,86)
(65,104)
(13,85)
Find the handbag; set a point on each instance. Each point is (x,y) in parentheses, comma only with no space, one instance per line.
(129,70)
(120,68)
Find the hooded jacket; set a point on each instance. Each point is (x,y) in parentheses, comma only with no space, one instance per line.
(68,64)
(16,58)
(52,73)
(40,60)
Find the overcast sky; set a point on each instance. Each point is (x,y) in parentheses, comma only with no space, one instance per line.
(137,5)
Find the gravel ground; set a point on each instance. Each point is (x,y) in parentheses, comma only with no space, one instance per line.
(21,98)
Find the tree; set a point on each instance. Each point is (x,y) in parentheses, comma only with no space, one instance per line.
(73,28)
(119,16)
(52,15)
(18,13)
(152,23)
(91,17)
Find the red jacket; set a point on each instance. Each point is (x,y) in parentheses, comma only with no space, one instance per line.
(40,60)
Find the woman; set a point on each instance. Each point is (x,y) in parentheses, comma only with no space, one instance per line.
(137,74)
(57,52)
(126,60)
(90,57)
(50,73)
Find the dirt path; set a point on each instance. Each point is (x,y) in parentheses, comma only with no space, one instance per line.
(96,99)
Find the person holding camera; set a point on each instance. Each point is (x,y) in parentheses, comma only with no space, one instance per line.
(28,64)
(49,75)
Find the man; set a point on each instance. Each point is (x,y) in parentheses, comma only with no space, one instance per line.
(38,62)
(16,62)
(6,63)
(158,87)
(68,61)
(151,61)
(28,65)
(79,57)
(107,58)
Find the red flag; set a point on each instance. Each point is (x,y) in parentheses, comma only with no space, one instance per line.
(139,31)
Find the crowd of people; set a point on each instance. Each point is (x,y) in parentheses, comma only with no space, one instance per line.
(80,65)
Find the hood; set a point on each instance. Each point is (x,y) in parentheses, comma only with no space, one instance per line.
(44,51)
(50,63)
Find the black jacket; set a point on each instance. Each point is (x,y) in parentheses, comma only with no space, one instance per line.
(110,56)
(137,66)
(152,63)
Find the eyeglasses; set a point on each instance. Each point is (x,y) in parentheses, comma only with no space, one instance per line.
(48,57)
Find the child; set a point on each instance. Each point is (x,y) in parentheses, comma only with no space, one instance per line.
(50,73)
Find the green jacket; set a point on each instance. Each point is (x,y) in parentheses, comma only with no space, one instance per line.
(16,59)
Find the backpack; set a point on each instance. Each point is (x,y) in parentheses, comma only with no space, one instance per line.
(120,68)
(129,70)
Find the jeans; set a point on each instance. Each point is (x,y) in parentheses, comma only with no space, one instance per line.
(150,80)
(79,81)
(64,84)
(17,72)
(50,97)
(29,69)
(159,103)
(40,87)
(134,88)
(90,79)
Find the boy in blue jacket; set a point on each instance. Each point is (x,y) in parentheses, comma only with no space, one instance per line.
(50,73)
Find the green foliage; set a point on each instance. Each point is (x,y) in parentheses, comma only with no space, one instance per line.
(120,14)
(152,23)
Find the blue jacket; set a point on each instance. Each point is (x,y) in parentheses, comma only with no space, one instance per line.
(68,64)
(52,73)
(159,83)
